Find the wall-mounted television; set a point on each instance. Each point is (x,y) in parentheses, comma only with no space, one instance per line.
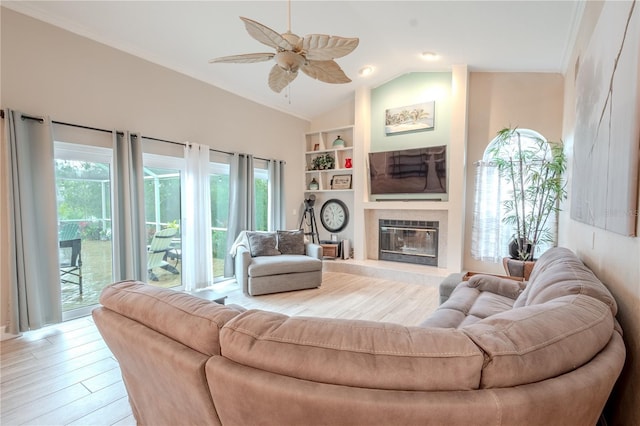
(409,171)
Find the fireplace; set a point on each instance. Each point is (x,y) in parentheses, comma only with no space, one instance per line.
(409,241)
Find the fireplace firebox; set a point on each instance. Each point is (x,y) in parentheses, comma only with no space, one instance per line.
(409,241)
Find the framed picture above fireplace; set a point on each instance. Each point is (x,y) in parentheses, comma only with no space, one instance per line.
(411,118)
(409,171)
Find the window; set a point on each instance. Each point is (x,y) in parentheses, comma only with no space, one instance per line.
(219,188)
(490,235)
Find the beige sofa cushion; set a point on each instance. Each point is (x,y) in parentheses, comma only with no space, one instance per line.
(193,321)
(540,341)
(559,272)
(562,319)
(353,353)
(498,285)
(473,301)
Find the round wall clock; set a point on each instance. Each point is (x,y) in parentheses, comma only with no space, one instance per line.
(334,215)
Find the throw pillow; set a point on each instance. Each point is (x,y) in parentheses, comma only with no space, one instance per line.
(262,244)
(291,242)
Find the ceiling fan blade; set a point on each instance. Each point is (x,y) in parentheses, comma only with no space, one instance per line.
(320,47)
(244,59)
(279,78)
(327,71)
(266,35)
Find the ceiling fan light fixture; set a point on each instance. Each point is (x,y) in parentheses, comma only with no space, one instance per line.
(289,61)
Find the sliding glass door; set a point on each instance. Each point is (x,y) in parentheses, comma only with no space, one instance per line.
(84,192)
(163,212)
(83,189)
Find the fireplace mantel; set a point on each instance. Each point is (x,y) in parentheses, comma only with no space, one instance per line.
(406,205)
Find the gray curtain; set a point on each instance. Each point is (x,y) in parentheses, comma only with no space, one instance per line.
(241,203)
(277,207)
(34,285)
(128,228)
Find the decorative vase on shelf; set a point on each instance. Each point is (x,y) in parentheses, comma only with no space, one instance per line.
(338,143)
(347,163)
(313,185)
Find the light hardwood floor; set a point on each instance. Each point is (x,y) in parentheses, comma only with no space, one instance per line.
(65,374)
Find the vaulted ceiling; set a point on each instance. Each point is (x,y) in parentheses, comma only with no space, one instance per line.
(518,36)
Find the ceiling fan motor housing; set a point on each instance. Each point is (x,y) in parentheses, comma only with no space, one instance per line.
(289,61)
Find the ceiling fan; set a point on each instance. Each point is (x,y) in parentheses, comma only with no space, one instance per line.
(314,54)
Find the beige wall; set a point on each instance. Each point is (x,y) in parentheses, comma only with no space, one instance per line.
(341,116)
(499,100)
(615,259)
(46,70)
(49,71)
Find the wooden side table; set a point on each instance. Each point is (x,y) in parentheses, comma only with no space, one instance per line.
(329,250)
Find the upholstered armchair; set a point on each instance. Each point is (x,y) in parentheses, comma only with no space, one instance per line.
(274,262)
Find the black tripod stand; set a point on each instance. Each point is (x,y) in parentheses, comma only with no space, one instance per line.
(310,218)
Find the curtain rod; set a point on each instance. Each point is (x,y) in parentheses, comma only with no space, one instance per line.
(40,119)
(148,137)
(210,149)
(25,117)
(185,144)
(80,126)
(122,133)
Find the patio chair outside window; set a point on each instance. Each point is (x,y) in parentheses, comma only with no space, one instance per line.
(70,255)
(158,251)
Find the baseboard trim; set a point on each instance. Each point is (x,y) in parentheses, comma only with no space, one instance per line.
(6,336)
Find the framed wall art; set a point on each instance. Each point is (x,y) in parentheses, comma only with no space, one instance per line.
(605,171)
(411,118)
(341,182)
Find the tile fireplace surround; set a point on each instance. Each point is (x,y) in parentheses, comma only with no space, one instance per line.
(373,216)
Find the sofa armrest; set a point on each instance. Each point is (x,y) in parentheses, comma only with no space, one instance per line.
(499,285)
(314,250)
(190,320)
(242,261)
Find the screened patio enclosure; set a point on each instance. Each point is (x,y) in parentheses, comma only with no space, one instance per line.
(84,199)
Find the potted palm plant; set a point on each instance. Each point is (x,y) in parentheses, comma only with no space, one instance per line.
(533,168)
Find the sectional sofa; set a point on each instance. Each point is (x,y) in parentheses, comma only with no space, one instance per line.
(498,352)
